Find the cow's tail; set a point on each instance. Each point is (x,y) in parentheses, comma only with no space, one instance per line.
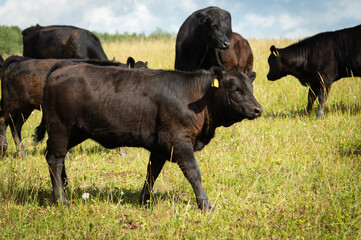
(40,131)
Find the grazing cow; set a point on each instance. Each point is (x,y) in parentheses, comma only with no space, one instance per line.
(203,33)
(239,54)
(170,113)
(61,42)
(22,85)
(318,61)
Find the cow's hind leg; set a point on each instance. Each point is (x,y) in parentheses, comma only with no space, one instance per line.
(57,171)
(57,147)
(155,165)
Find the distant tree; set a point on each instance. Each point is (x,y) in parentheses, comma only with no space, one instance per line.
(11,41)
(159,33)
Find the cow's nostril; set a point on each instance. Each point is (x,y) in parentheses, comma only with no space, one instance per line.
(258,111)
(226,44)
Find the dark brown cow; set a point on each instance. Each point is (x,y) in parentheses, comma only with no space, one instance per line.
(239,54)
(61,42)
(170,113)
(22,87)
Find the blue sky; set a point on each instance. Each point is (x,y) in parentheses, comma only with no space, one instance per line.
(252,19)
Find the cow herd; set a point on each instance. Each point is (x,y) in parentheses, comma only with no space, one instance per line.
(65,72)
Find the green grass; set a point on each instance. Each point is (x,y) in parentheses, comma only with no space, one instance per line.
(285,175)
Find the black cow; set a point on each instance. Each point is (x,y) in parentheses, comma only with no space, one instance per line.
(203,33)
(170,113)
(318,61)
(22,87)
(61,42)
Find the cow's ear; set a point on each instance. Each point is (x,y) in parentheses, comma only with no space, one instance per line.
(130,62)
(274,50)
(251,75)
(217,76)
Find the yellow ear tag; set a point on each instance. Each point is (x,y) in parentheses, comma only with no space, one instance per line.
(215,83)
(276,53)
(129,65)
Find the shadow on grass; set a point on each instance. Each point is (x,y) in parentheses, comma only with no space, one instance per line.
(286,114)
(339,107)
(43,197)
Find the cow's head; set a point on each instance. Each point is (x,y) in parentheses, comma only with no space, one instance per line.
(234,100)
(276,65)
(217,25)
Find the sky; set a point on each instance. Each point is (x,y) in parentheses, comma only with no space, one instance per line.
(252,19)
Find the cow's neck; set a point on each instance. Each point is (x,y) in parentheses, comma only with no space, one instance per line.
(200,45)
(204,107)
(296,59)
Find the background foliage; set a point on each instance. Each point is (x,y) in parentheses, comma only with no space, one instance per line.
(11,40)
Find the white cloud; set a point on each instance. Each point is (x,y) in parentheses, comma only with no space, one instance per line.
(275,18)
(187,5)
(288,22)
(258,21)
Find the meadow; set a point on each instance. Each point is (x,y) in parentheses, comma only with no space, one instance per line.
(284,175)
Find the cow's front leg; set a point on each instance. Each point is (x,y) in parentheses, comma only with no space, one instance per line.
(311,100)
(322,98)
(155,165)
(184,156)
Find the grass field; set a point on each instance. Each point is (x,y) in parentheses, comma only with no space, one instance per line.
(285,175)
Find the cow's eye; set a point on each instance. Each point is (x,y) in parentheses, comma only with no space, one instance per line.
(233,89)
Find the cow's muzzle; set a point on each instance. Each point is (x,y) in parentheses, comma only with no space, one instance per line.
(255,113)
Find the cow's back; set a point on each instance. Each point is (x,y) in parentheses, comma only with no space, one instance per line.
(138,105)
(334,53)
(61,42)
(349,41)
